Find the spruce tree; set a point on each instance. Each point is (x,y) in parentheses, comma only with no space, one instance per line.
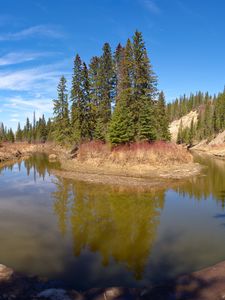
(19,134)
(121,129)
(144,90)
(106,84)
(162,119)
(81,103)
(76,99)
(61,113)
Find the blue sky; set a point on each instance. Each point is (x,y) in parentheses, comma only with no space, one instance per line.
(39,39)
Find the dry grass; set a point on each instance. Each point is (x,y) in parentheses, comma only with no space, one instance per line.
(157,153)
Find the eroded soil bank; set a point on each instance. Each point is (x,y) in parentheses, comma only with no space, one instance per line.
(207,284)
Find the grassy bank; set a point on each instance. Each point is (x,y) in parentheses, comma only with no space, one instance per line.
(140,164)
(148,161)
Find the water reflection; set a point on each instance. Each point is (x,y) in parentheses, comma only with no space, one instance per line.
(107,235)
(110,221)
(210,184)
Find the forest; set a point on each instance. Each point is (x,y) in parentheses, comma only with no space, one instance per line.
(115,99)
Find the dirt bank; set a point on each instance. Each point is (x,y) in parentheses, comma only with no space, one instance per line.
(143,165)
(148,178)
(215,150)
(206,284)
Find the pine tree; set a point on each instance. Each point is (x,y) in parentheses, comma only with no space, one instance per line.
(162,119)
(75,98)
(19,134)
(180,139)
(147,127)
(191,133)
(144,90)
(61,113)
(81,103)
(118,60)
(94,81)
(106,84)
(121,129)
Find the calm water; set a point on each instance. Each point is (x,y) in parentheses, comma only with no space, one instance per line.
(93,235)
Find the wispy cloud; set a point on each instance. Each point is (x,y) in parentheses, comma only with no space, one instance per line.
(40,105)
(39,30)
(13,58)
(42,79)
(151,6)
(19,108)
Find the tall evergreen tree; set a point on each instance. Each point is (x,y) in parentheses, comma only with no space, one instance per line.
(106,84)
(144,93)
(162,119)
(121,129)
(61,113)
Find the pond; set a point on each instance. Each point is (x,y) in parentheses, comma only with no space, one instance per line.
(92,235)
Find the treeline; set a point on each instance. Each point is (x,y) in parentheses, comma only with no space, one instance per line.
(185,104)
(210,121)
(6,135)
(36,131)
(113,99)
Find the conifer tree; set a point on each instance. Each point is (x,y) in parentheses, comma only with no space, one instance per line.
(162,119)
(106,92)
(94,81)
(76,99)
(191,133)
(19,134)
(81,102)
(121,129)
(144,90)
(180,139)
(61,113)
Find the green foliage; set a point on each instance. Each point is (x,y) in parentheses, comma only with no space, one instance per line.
(114,99)
(61,114)
(147,128)
(162,119)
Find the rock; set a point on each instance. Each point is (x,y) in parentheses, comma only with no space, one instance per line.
(52,157)
(5,273)
(113,293)
(54,294)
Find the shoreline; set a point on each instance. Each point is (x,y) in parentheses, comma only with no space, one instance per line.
(107,172)
(151,178)
(205,284)
(215,150)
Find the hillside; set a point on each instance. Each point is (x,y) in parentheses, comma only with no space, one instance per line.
(186,121)
(214,146)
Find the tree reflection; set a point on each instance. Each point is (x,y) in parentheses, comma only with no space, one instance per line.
(210,183)
(36,165)
(117,223)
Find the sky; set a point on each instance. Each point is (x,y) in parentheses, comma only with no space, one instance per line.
(40,38)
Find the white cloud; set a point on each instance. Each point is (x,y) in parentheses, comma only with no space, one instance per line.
(19,108)
(20,104)
(39,30)
(152,6)
(39,80)
(20,57)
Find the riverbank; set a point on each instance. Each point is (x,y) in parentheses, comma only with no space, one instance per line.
(214,150)
(206,284)
(142,165)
